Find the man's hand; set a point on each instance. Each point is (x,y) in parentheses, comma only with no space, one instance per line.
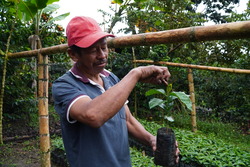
(177,152)
(153,74)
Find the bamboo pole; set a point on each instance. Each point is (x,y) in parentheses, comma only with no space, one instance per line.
(192,97)
(231,70)
(234,30)
(44,51)
(43,74)
(135,91)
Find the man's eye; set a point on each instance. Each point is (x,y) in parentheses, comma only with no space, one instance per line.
(93,51)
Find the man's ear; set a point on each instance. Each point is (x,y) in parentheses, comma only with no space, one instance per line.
(73,55)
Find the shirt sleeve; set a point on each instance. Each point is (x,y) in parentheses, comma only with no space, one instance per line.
(65,95)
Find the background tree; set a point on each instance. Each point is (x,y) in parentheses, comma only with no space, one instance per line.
(221,93)
(19,103)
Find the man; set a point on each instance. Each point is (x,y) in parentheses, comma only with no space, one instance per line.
(92,102)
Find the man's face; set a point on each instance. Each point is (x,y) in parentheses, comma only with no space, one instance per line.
(94,58)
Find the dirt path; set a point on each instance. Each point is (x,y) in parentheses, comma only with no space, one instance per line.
(20,154)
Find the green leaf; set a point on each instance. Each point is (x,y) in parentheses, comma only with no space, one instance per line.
(52,1)
(118,1)
(1,52)
(41,3)
(28,10)
(184,98)
(57,18)
(155,91)
(51,8)
(155,102)
(170,119)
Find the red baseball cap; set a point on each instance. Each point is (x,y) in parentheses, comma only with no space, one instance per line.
(84,31)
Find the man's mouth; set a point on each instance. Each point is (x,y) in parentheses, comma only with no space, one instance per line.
(102,62)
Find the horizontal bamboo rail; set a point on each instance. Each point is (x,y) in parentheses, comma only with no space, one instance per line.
(231,70)
(44,51)
(235,30)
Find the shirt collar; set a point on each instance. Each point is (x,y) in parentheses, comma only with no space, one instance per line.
(76,73)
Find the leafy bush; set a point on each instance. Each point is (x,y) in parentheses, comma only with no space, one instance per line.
(205,150)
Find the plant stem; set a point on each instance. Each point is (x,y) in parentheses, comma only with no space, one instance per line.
(4,77)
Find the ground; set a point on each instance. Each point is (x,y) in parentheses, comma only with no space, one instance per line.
(23,153)
(21,145)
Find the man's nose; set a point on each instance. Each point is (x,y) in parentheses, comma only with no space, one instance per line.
(101,53)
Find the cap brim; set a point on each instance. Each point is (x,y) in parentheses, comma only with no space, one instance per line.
(91,39)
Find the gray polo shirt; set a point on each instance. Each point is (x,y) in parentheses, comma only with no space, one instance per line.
(85,146)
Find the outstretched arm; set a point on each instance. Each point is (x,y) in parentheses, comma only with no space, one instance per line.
(138,131)
(95,112)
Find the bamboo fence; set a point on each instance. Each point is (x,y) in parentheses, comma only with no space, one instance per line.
(192,97)
(43,109)
(210,68)
(237,30)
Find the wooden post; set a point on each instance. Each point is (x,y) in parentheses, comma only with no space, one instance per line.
(192,97)
(43,108)
(135,94)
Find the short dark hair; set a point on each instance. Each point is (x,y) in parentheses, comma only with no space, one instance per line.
(76,49)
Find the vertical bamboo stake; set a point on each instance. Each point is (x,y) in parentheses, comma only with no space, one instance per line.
(43,108)
(135,94)
(5,59)
(192,97)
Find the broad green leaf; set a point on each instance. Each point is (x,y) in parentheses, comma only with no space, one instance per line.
(155,91)
(52,1)
(58,18)
(184,98)
(155,102)
(51,8)
(28,10)
(41,3)
(170,119)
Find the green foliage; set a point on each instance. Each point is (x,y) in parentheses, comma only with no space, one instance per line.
(19,100)
(224,93)
(229,132)
(29,8)
(205,149)
(57,143)
(168,100)
(140,160)
(200,148)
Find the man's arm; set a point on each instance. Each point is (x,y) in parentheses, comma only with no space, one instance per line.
(138,131)
(95,112)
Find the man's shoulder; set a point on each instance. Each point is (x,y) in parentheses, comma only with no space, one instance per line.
(66,77)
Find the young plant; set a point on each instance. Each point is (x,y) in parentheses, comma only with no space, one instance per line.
(168,100)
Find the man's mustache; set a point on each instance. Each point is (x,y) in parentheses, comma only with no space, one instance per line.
(102,61)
